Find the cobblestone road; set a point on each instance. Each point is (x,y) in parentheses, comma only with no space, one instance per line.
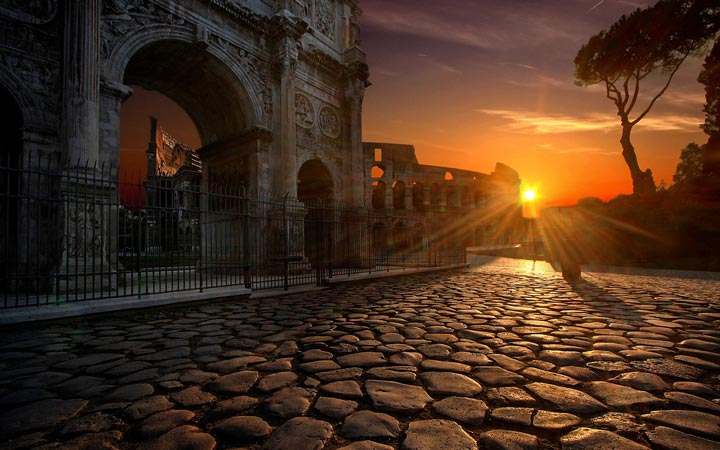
(484,359)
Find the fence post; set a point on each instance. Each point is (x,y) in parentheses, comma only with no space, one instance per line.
(286,243)
(204,231)
(328,228)
(246,241)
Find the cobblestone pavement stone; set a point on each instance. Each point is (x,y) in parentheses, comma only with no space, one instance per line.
(466,360)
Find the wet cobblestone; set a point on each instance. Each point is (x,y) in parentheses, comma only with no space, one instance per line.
(489,357)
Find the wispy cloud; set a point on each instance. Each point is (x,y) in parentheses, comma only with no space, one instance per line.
(496,32)
(541,81)
(520,65)
(419,24)
(596,6)
(576,150)
(695,99)
(539,123)
(385,72)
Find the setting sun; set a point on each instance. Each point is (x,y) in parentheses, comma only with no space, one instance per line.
(529,195)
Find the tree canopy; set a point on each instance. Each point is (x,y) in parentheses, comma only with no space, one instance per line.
(655,40)
(690,166)
(710,77)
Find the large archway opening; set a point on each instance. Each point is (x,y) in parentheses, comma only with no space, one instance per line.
(11,123)
(199,103)
(197,81)
(315,183)
(185,101)
(172,134)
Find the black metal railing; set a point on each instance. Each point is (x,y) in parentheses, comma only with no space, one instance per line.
(74,233)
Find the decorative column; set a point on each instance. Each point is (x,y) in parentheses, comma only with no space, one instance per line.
(81,81)
(357,72)
(87,196)
(112,96)
(287,30)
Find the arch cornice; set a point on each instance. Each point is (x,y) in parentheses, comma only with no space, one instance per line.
(127,46)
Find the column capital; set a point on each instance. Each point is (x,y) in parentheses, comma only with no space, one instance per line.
(116,89)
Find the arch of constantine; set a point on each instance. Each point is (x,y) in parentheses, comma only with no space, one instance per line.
(274,87)
(269,84)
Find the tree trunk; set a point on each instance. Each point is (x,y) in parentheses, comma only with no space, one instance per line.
(643,182)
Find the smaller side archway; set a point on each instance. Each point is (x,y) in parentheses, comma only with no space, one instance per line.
(315,183)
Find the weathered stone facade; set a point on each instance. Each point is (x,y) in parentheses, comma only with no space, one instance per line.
(409,195)
(275,89)
(269,84)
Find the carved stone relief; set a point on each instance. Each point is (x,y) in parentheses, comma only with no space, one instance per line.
(41,78)
(38,12)
(329,122)
(84,230)
(325,17)
(318,125)
(36,43)
(123,17)
(304,111)
(256,69)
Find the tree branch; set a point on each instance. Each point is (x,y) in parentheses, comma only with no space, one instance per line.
(665,88)
(626,97)
(613,94)
(636,92)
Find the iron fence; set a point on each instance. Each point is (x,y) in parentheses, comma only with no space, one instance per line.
(77,234)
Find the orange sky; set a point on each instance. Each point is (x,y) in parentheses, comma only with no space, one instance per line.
(475,82)
(471,83)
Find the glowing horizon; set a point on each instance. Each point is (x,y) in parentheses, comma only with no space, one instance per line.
(474,83)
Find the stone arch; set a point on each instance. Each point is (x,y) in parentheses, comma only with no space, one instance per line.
(329,165)
(123,52)
(30,110)
(418,197)
(398,195)
(466,199)
(315,182)
(451,195)
(377,172)
(435,196)
(378,195)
